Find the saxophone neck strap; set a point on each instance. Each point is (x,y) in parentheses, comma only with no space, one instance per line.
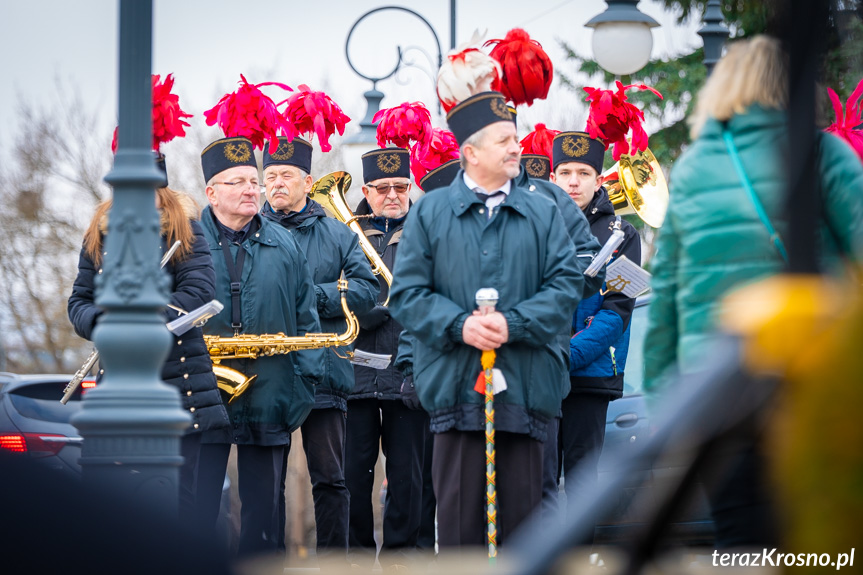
(235,270)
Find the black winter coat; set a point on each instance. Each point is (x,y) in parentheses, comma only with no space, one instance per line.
(379,383)
(188,367)
(600,346)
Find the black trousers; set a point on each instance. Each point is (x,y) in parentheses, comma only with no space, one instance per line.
(458,471)
(551,469)
(582,433)
(190,448)
(427,536)
(259,471)
(399,431)
(324,434)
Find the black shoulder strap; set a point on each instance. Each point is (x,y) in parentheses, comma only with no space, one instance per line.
(235,272)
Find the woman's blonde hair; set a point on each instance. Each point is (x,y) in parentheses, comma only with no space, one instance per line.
(753,71)
(174,215)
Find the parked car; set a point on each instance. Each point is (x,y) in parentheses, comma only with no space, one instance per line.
(627,427)
(33,422)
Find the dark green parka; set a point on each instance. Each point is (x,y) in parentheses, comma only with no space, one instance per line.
(331,248)
(277,295)
(449,250)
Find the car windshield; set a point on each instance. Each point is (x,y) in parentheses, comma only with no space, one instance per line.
(632,378)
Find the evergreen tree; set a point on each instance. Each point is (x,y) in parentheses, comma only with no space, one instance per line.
(679,78)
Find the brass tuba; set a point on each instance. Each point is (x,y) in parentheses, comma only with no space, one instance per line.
(250,346)
(329,191)
(636,185)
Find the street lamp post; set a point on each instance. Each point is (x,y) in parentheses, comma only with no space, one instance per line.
(713,33)
(622,40)
(132,422)
(366,139)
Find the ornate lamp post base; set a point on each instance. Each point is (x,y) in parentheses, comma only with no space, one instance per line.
(132,422)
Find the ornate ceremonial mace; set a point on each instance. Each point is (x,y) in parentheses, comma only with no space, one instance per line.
(486,299)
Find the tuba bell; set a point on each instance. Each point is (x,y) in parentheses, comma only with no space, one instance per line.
(636,185)
(329,191)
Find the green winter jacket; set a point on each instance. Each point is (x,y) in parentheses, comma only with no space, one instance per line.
(277,295)
(331,249)
(448,251)
(713,240)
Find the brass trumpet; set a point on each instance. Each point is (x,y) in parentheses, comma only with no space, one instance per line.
(251,346)
(636,185)
(329,191)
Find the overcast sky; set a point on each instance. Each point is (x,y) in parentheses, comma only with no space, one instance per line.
(208,44)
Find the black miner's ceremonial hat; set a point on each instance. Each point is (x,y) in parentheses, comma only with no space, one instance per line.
(296,152)
(227,153)
(577,147)
(536,165)
(386,163)
(163,169)
(441,176)
(472,115)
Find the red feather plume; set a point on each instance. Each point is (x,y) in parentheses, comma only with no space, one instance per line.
(250,113)
(442,148)
(540,141)
(168,122)
(846,124)
(315,113)
(403,125)
(527,69)
(612,117)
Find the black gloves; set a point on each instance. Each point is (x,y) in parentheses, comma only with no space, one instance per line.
(374,318)
(320,298)
(409,393)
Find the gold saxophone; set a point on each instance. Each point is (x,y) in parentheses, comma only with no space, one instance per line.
(251,346)
(329,191)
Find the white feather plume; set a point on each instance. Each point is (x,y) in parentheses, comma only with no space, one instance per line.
(466,71)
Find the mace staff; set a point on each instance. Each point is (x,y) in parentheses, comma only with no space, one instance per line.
(486,299)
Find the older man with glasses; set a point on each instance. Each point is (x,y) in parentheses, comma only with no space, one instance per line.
(380,412)
(255,260)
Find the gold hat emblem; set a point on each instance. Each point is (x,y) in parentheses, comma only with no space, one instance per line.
(238,153)
(389,163)
(284,152)
(499,109)
(535,168)
(575,148)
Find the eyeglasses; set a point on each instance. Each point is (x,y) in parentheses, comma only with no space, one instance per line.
(243,184)
(385,188)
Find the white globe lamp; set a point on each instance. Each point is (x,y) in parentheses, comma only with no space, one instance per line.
(622,39)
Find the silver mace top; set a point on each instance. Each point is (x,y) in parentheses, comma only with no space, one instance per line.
(486,297)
